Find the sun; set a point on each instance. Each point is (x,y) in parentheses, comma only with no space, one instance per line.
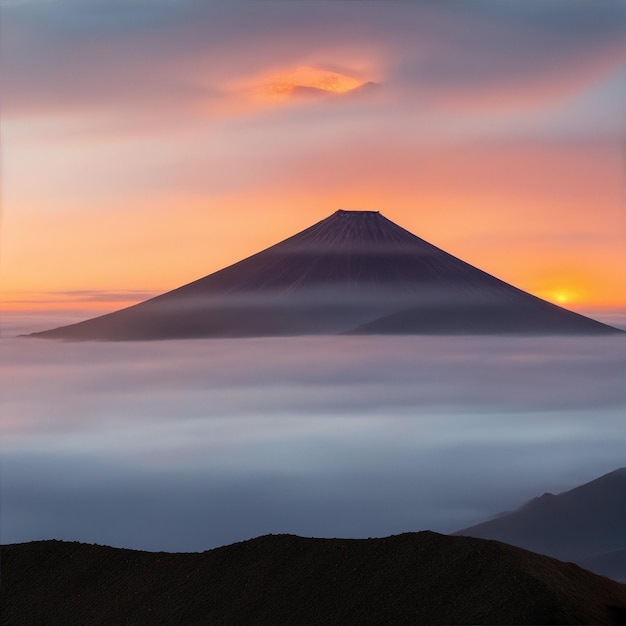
(562,296)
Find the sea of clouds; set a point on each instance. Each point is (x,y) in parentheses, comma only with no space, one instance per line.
(187,445)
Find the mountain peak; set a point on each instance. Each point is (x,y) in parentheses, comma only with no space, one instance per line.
(354,271)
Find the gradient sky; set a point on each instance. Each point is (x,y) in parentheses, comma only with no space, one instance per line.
(148,143)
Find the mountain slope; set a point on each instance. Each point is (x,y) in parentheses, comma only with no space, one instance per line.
(414,578)
(527,315)
(339,275)
(581,525)
(611,564)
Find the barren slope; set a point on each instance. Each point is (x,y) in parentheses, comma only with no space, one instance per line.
(415,578)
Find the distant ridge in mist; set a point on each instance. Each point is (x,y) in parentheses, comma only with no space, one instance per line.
(353,272)
(586,525)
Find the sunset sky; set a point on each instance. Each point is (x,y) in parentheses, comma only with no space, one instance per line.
(148,143)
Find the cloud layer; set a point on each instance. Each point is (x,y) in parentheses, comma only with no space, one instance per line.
(189,445)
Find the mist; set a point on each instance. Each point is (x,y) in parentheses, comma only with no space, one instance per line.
(188,445)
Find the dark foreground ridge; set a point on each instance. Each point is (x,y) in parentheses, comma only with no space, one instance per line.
(353,272)
(414,578)
(586,525)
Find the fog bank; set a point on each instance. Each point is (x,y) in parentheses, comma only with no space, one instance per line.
(186,445)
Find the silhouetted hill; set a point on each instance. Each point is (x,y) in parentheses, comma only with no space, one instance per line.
(414,578)
(353,271)
(586,525)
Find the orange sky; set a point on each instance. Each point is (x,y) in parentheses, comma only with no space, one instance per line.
(143,153)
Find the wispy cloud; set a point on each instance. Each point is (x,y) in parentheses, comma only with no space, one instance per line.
(180,59)
(84,295)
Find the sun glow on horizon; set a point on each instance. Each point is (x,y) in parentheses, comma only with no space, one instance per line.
(562,297)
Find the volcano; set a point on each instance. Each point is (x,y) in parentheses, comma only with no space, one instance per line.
(355,272)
